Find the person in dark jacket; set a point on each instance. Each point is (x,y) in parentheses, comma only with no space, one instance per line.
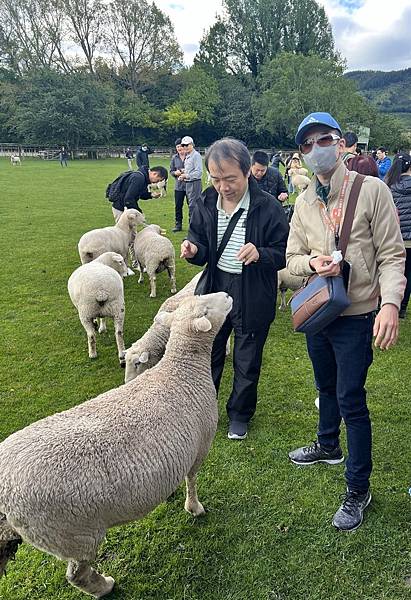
(142,159)
(398,180)
(129,156)
(247,268)
(177,169)
(276,159)
(137,189)
(268,178)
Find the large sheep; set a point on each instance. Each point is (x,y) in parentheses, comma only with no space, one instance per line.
(96,290)
(149,349)
(110,239)
(69,477)
(154,253)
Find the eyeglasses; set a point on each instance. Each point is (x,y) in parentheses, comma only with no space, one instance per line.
(185,145)
(322,140)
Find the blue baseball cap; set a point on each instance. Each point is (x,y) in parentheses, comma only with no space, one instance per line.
(317,118)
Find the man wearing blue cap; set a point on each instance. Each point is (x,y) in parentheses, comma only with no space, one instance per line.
(341,353)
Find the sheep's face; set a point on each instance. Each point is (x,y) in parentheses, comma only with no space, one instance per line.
(199,314)
(138,360)
(135,218)
(118,264)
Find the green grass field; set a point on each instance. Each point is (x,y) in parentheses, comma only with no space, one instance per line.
(267,534)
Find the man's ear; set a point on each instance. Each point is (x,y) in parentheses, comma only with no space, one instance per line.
(202,324)
(164,318)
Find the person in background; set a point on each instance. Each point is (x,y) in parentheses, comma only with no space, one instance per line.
(192,174)
(129,157)
(365,165)
(293,162)
(349,149)
(136,190)
(398,180)
(142,159)
(63,156)
(276,159)
(177,169)
(268,178)
(383,162)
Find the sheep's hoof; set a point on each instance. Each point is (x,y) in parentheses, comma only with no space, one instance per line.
(152,295)
(173,290)
(93,355)
(102,330)
(196,510)
(108,588)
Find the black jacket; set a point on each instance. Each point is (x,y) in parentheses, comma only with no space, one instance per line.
(401,192)
(267,229)
(276,160)
(272,182)
(142,159)
(136,190)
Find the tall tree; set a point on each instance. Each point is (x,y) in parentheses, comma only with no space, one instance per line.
(142,40)
(86,23)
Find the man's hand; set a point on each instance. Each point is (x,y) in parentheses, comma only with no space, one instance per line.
(386,327)
(323,266)
(182,177)
(248,254)
(283,196)
(188,249)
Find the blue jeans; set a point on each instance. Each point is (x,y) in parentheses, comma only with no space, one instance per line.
(341,355)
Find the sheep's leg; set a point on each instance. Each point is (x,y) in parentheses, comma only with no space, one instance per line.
(153,290)
(192,504)
(103,326)
(82,576)
(171,270)
(283,304)
(91,336)
(140,269)
(119,327)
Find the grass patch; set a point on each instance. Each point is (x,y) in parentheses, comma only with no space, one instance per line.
(267,534)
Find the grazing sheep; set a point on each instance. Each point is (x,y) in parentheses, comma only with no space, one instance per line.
(154,253)
(15,160)
(286,281)
(96,290)
(110,239)
(158,190)
(69,477)
(149,349)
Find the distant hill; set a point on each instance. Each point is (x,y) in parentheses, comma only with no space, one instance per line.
(390,91)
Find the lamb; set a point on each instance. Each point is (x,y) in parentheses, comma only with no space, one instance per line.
(286,281)
(15,160)
(158,190)
(154,253)
(69,477)
(96,290)
(149,349)
(110,239)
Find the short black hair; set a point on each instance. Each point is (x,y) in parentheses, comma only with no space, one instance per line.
(161,171)
(229,149)
(261,158)
(382,149)
(350,138)
(177,142)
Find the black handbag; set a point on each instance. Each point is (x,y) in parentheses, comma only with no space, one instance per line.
(205,284)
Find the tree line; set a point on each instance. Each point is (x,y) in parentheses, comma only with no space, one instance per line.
(81,72)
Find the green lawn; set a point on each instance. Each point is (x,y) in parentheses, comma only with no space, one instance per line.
(267,534)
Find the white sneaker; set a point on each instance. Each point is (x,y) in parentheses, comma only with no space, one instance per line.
(129,272)
(317,403)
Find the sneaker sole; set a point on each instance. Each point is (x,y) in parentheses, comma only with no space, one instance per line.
(234,436)
(359,524)
(331,461)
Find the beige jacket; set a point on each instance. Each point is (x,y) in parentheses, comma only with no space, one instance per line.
(375,248)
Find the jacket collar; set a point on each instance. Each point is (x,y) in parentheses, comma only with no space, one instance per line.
(257,196)
(336,182)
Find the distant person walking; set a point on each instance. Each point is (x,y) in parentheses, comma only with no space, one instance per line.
(177,169)
(383,162)
(398,180)
(63,156)
(193,172)
(142,159)
(276,159)
(129,157)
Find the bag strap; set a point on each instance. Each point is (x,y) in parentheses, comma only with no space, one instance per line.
(227,234)
(349,213)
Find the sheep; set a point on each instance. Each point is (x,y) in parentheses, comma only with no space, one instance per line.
(149,349)
(96,290)
(158,190)
(15,160)
(154,253)
(69,477)
(286,281)
(110,239)
(299,178)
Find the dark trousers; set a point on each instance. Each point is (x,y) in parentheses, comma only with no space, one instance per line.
(341,355)
(179,196)
(407,274)
(247,353)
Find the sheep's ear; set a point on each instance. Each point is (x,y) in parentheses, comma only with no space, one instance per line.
(164,318)
(144,357)
(202,324)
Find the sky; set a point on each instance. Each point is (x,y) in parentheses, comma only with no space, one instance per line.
(370,34)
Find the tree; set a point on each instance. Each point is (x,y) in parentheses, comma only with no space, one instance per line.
(213,53)
(307,30)
(86,18)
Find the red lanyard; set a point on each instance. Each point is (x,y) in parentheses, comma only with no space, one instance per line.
(334,223)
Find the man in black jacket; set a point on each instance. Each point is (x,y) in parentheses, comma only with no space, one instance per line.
(247,268)
(142,159)
(136,189)
(268,178)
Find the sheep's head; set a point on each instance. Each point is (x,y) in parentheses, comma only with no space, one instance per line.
(134,217)
(113,260)
(199,314)
(139,358)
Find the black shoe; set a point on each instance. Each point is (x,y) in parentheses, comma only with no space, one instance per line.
(350,515)
(177,228)
(402,313)
(309,455)
(237,430)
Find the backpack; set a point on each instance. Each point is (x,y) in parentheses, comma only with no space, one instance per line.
(116,190)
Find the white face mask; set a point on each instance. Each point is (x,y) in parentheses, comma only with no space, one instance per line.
(321,160)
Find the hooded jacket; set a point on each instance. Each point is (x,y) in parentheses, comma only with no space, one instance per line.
(401,192)
(136,189)
(267,229)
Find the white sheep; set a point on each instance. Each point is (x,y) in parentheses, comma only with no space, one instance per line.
(15,160)
(69,477)
(158,189)
(154,253)
(286,281)
(111,239)
(149,349)
(96,290)
(299,177)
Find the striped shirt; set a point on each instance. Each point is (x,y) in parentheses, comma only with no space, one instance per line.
(228,261)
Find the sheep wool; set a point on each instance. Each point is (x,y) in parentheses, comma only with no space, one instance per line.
(69,477)
(96,290)
(154,253)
